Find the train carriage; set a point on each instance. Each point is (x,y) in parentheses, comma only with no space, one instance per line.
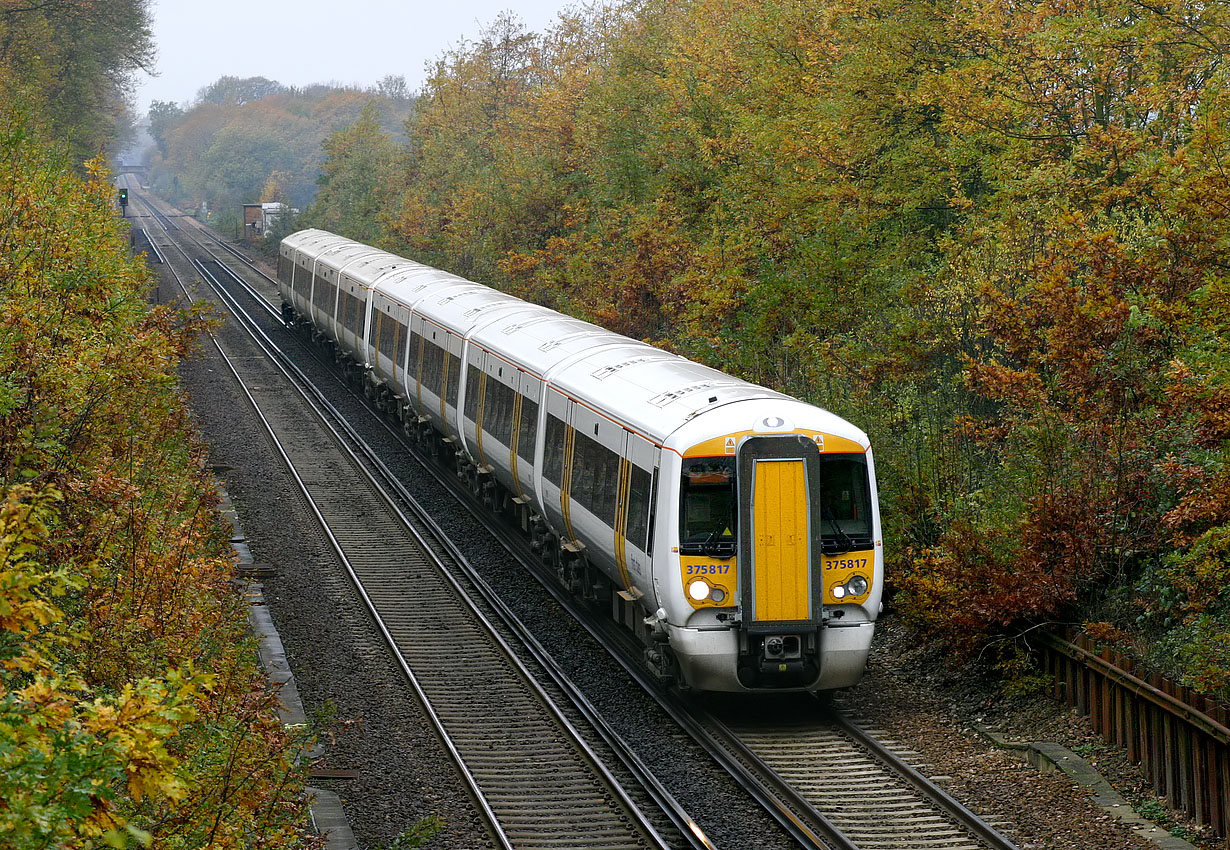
(297,266)
(733,528)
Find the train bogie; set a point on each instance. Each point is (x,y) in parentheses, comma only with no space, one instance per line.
(733,528)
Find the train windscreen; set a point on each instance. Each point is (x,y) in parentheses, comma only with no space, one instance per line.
(708,508)
(845,503)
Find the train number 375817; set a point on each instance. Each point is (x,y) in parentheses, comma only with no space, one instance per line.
(708,569)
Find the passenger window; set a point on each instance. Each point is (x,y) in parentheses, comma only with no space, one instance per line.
(402,338)
(553,448)
(386,332)
(415,366)
(595,478)
(323,295)
(529,429)
(454,378)
(497,412)
(433,366)
(472,382)
(639,506)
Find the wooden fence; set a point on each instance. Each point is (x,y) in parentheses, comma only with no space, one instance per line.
(1179,738)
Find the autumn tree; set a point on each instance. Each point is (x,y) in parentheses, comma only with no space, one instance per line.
(163,116)
(356,180)
(236,91)
(225,153)
(130,708)
(77,59)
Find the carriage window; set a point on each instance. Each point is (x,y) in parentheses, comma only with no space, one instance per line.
(323,295)
(497,411)
(415,366)
(387,328)
(707,507)
(472,381)
(529,429)
(845,502)
(553,451)
(356,320)
(639,506)
(352,313)
(595,477)
(433,366)
(454,378)
(402,339)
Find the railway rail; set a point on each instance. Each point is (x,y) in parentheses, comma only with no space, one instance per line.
(883,801)
(533,775)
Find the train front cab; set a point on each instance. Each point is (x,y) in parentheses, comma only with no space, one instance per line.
(778,555)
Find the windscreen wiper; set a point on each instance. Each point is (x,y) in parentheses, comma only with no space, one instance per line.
(844,543)
(713,544)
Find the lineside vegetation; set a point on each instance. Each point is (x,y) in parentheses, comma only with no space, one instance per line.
(131,709)
(130,704)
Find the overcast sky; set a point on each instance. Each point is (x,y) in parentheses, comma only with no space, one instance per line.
(300,42)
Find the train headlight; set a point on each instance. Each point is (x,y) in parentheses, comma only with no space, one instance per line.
(699,589)
(838,591)
(856,586)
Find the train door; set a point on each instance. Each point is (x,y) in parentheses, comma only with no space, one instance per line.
(780,560)
(525,433)
(557,438)
(474,391)
(635,530)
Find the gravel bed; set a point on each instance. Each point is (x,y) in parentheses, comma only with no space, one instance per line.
(345,676)
(368,721)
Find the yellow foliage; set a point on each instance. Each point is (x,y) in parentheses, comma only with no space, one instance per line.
(116,615)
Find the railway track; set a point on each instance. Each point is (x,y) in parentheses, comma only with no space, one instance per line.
(867,788)
(827,782)
(534,777)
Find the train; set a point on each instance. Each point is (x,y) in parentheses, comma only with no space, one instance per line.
(733,529)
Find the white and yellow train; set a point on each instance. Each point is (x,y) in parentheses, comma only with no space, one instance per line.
(734,529)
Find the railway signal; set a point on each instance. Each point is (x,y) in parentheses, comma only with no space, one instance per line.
(124,201)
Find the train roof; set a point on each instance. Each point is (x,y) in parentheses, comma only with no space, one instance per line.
(658,392)
(461,308)
(311,242)
(651,391)
(336,256)
(366,269)
(541,340)
(411,283)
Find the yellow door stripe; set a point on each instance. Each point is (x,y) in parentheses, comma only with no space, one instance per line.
(478,417)
(565,493)
(621,521)
(781,554)
(418,376)
(515,443)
